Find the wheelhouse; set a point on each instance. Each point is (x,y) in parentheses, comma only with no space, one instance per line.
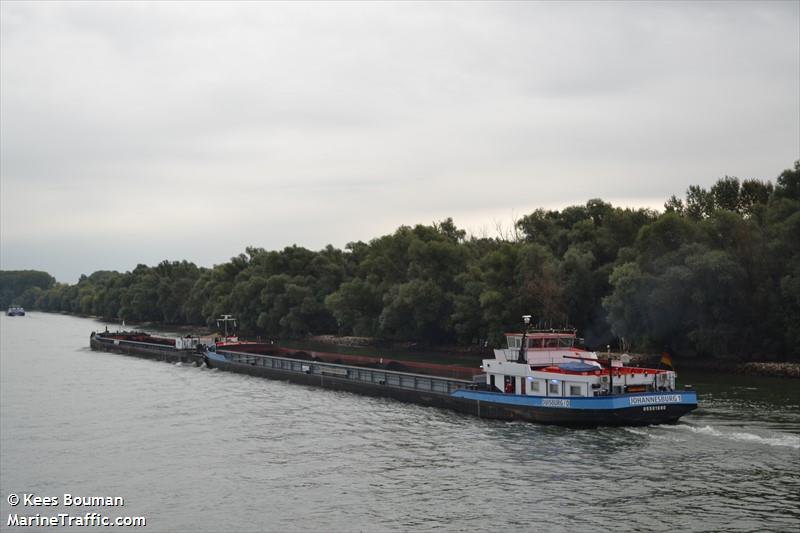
(544,340)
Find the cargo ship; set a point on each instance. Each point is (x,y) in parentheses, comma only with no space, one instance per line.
(542,376)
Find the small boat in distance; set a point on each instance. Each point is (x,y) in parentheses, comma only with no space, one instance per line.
(15,310)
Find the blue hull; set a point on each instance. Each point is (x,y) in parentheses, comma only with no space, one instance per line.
(607,403)
(620,410)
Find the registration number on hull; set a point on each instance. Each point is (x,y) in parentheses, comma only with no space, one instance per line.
(547,402)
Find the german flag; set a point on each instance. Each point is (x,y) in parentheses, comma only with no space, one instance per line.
(666,360)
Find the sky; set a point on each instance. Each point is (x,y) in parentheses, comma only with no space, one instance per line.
(140,132)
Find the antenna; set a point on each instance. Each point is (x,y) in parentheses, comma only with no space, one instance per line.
(526,321)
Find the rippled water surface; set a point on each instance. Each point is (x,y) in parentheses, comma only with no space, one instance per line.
(193,449)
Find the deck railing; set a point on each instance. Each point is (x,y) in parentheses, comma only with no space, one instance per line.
(390,378)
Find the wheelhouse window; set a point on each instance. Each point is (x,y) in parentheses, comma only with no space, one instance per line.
(554,388)
(534,343)
(566,342)
(534,386)
(575,390)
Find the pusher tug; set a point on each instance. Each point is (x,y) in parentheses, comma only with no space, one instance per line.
(544,377)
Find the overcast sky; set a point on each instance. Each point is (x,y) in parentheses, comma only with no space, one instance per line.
(136,132)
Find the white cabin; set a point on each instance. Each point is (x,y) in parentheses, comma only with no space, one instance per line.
(187,343)
(546,348)
(555,367)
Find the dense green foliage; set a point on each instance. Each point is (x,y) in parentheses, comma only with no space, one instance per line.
(718,273)
(23,287)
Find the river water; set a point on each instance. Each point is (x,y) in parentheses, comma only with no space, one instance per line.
(193,449)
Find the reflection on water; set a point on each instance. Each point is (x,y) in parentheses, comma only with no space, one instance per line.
(201,450)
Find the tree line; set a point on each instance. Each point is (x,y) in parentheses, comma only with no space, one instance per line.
(717,273)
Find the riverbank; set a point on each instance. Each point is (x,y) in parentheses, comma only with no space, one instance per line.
(473,354)
(445,354)
(727,366)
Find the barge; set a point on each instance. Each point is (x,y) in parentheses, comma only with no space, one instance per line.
(542,377)
(140,344)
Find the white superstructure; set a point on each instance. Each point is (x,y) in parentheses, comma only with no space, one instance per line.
(551,364)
